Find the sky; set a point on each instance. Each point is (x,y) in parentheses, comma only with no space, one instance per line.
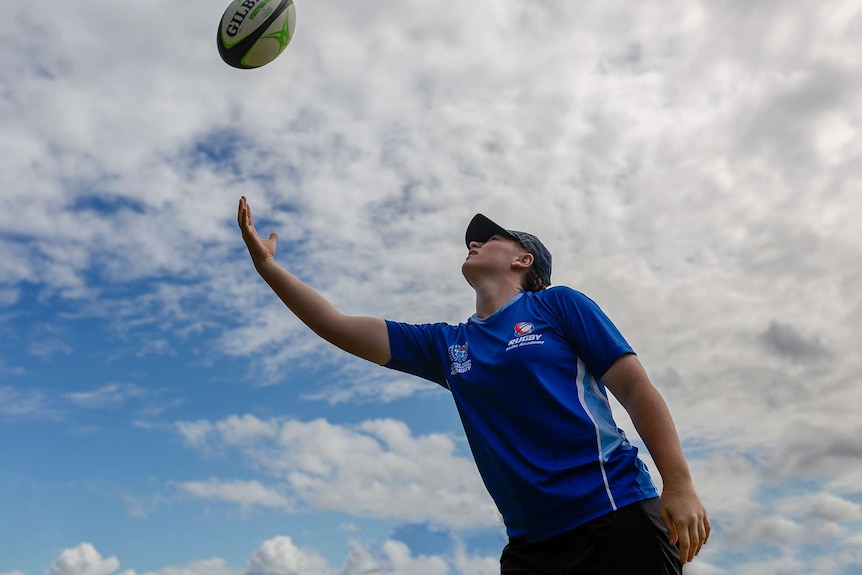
(692,166)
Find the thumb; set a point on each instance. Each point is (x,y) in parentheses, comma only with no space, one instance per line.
(273,236)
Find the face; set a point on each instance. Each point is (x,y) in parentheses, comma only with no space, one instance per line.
(493,256)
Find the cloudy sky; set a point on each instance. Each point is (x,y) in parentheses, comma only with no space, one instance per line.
(691,165)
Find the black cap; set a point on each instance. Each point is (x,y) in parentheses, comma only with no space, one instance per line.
(481,228)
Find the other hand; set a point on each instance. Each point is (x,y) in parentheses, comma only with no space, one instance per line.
(260,249)
(686,520)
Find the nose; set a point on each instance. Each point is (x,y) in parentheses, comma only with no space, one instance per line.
(475,244)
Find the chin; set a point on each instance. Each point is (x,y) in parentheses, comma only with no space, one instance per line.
(466,273)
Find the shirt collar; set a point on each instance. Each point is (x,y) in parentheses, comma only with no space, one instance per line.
(475,318)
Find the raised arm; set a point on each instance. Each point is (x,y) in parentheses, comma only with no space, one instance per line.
(364,337)
(681,509)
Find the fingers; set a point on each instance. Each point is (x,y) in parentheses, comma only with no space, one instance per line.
(688,533)
(243,216)
(688,544)
(704,529)
(696,541)
(686,521)
(702,533)
(692,538)
(672,534)
(685,547)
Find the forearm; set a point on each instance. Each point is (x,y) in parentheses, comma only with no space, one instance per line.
(364,337)
(652,419)
(630,384)
(681,509)
(305,303)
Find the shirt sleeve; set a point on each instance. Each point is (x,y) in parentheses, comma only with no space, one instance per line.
(417,349)
(592,334)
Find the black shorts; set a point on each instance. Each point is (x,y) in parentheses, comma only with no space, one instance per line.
(629,541)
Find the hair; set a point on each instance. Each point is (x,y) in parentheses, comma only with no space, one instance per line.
(533,281)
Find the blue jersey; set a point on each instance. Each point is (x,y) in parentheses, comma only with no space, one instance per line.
(526,382)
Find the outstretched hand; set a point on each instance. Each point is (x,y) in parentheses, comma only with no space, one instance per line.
(260,249)
(686,520)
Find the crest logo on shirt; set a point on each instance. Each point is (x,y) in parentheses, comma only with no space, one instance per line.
(460,359)
(523,328)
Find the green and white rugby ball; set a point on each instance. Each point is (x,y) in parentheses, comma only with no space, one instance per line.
(253,32)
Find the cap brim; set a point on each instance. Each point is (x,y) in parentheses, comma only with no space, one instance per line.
(481,228)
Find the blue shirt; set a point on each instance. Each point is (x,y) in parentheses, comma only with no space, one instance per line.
(526,383)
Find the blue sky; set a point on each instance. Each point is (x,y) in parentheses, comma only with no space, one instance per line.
(692,166)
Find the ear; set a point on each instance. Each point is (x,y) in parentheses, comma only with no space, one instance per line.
(524,261)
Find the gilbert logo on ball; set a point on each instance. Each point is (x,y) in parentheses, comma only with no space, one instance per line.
(253,32)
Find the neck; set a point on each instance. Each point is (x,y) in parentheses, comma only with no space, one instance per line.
(491,297)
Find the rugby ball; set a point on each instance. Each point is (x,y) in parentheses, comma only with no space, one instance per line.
(253,32)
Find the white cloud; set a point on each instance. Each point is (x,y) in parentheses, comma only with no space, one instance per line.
(109,395)
(403,563)
(360,383)
(774,530)
(360,562)
(246,429)
(377,469)
(786,565)
(9,296)
(215,566)
(47,343)
(753,514)
(22,403)
(83,559)
(849,482)
(279,556)
(247,494)
(7,370)
(822,506)
(395,558)
(701,567)
(728,485)
(140,507)
(468,563)
(194,433)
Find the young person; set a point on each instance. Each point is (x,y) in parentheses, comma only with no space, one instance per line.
(528,373)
